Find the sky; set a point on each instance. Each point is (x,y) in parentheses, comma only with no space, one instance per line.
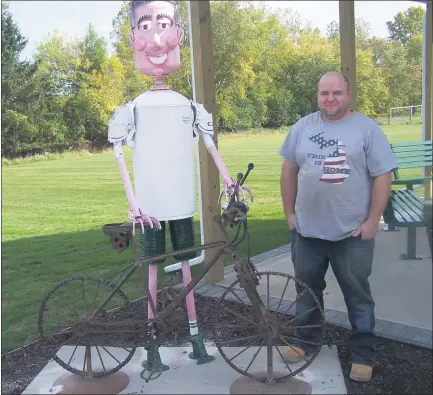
(37,19)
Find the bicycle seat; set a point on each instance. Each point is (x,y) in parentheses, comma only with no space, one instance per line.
(119,234)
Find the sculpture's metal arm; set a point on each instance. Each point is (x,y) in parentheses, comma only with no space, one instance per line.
(203,126)
(121,130)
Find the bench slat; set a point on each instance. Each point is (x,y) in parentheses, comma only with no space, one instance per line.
(418,159)
(402,150)
(403,181)
(410,166)
(406,208)
(413,199)
(415,162)
(413,154)
(412,143)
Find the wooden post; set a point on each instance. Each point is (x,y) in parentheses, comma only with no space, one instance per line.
(201,36)
(428,88)
(347,46)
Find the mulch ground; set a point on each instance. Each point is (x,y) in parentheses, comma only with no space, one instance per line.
(401,368)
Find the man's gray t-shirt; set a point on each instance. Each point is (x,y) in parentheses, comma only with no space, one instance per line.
(337,164)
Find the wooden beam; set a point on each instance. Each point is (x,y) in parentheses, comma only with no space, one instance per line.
(347,46)
(201,36)
(428,88)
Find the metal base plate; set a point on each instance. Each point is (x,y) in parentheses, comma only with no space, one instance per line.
(248,385)
(407,257)
(74,384)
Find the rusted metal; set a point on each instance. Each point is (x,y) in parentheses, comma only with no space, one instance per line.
(97,326)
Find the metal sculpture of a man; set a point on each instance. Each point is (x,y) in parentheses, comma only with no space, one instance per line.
(161,125)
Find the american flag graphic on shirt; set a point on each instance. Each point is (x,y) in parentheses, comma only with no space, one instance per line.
(335,168)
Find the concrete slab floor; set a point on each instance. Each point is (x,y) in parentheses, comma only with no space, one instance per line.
(185,377)
(402,289)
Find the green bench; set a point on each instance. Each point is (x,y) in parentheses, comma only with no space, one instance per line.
(405,208)
(412,155)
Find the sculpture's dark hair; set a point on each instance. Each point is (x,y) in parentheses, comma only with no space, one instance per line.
(134,3)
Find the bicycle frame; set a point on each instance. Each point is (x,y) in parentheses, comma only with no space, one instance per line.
(227,244)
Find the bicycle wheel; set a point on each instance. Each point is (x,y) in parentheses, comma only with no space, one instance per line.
(238,330)
(64,320)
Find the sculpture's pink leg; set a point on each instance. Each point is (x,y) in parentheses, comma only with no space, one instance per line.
(153,283)
(190,304)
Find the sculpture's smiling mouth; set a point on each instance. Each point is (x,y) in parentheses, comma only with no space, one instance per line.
(158,60)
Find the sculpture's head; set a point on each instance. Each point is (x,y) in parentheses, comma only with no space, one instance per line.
(156,36)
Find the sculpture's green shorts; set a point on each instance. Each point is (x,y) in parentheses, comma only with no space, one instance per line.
(181,234)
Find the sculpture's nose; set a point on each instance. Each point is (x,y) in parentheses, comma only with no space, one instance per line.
(156,40)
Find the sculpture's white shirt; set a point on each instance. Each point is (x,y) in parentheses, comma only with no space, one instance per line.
(163,155)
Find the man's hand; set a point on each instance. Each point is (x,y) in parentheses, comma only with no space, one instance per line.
(367,230)
(291,221)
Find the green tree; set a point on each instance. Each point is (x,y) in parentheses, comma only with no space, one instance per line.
(17,94)
(93,50)
(406,25)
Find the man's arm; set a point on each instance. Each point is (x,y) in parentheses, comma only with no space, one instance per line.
(379,200)
(289,188)
(379,197)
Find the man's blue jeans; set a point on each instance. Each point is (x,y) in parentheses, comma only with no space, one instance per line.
(351,261)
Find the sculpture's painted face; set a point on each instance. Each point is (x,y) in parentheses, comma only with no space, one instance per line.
(156,38)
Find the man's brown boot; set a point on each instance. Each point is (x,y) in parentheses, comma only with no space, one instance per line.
(361,372)
(293,354)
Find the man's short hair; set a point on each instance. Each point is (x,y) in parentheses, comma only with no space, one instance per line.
(135,3)
(346,80)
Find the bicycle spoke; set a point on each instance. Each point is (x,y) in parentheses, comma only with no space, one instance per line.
(119,346)
(300,315)
(234,293)
(65,332)
(84,295)
(255,356)
(102,362)
(296,300)
(281,355)
(300,340)
(58,348)
(73,352)
(63,315)
(240,352)
(282,295)
(294,349)
(239,316)
(112,356)
(94,300)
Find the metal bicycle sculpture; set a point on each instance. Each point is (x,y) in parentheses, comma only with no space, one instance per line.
(100,326)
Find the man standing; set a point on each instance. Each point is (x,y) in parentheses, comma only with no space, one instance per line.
(337,168)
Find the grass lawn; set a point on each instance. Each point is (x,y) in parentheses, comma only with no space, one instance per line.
(53,210)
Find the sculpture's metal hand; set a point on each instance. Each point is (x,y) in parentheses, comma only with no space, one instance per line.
(144,220)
